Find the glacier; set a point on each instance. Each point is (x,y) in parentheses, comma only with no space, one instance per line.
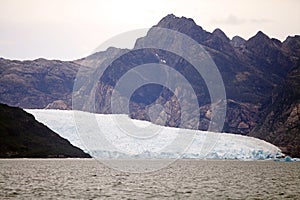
(112,138)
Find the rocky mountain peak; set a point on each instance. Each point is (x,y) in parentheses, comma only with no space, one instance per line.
(269,54)
(173,22)
(219,41)
(258,40)
(290,39)
(261,35)
(238,42)
(292,43)
(220,34)
(184,25)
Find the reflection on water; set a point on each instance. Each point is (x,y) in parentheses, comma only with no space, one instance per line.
(184,179)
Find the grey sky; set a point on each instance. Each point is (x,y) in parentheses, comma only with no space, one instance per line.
(71,29)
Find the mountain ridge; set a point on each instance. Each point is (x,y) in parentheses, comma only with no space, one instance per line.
(252,71)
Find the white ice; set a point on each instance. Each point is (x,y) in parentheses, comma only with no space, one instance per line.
(118,136)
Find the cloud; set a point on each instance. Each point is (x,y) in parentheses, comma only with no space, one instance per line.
(260,21)
(234,20)
(231,19)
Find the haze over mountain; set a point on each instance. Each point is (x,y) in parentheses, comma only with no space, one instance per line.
(256,75)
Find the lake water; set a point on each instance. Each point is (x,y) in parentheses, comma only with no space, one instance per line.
(184,179)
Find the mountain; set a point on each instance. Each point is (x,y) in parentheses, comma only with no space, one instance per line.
(253,72)
(39,83)
(22,136)
(281,122)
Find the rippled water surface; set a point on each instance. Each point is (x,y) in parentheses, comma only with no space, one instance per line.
(184,179)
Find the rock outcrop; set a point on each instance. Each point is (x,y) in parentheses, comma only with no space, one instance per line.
(37,83)
(281,122)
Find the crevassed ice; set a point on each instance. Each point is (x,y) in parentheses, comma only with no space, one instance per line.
(227,146)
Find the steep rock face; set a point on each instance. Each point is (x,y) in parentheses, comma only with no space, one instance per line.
(238,42)
(184,25)
(281,124)
(220,42)
(292,46)
(251,70)
(267,54)
(22,136)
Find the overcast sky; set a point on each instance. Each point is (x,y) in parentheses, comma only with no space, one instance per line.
(71,29)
